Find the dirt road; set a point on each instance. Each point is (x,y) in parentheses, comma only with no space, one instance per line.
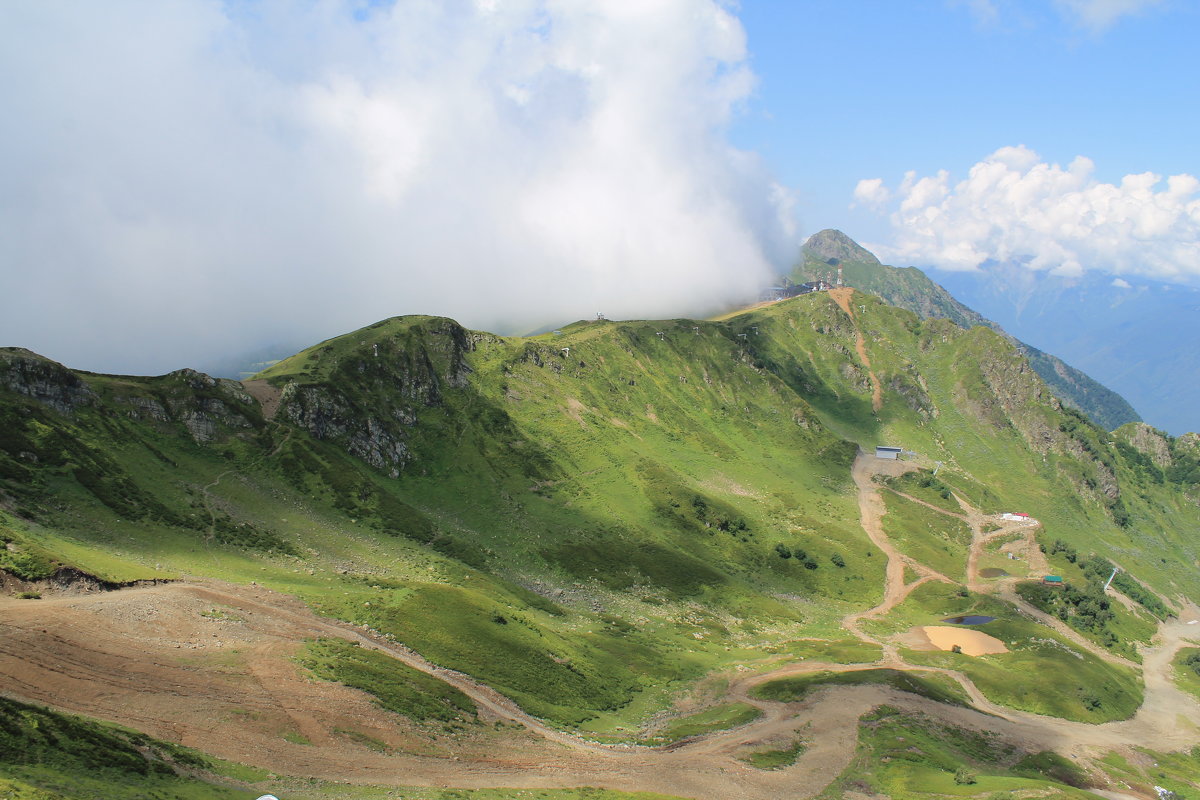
(844,297)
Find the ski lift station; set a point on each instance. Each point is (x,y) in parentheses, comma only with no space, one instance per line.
(890,453)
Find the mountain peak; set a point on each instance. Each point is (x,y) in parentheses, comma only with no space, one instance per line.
(833,247)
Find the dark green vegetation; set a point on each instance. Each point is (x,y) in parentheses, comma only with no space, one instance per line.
(1187,670)
(924,485)
(776,758)
(933,685)
(44,754)
(910,288)
(396,687)
(718,718)
(907,755)
(1082,604)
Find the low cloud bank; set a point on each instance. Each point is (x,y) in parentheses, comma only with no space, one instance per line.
(181,179)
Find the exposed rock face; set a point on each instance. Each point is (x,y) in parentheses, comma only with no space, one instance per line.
(833,247)
(202,404)
(1011,391)
(69,581)
(913,389)
(1189,443)
(372,398)
(145,408)
(328,414)
(1149,441)
(43,380)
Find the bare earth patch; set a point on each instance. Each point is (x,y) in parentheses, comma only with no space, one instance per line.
(973,643)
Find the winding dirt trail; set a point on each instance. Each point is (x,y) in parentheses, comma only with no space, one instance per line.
(210,665)
(871,509)
(1005,588)
(844,297)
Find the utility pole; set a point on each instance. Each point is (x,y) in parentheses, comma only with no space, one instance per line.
(1110,579)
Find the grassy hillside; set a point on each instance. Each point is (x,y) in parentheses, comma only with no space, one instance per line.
(912,289)
(588,521)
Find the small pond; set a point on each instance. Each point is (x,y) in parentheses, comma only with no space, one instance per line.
(968,620)
(992,572)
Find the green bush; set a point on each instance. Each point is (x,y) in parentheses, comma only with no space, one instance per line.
(395,686)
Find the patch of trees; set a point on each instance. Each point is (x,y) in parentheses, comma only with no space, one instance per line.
(711,517)
(1193,661)
(1086,609)
(933,484)
(1096,571)
(1185,466)
(783,551)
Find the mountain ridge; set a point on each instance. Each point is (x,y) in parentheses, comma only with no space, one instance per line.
(598,524)
(911,288)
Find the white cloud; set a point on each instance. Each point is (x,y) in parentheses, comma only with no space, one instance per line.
(984,11)
(1121,283)
(871,192)
(1100,14)
(1013,207)
(181,178)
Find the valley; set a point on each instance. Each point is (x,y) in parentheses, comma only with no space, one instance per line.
(591,538)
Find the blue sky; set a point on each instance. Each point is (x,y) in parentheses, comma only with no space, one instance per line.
(184,179)
(852,90)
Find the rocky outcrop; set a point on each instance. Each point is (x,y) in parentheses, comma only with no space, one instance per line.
(834,247)
(1148,441)
(915,392)
(68,581)
(373,398)
(43,380)
(1189,443)
(205,406)
(328,415)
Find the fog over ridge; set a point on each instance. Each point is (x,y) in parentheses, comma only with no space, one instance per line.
(194,178)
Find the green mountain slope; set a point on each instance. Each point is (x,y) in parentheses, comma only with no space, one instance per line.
(910,288)
(591,522)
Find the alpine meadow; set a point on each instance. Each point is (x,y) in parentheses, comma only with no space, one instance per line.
(619,559)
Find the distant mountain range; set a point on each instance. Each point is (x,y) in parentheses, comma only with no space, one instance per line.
(1135,336)
(910,288)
